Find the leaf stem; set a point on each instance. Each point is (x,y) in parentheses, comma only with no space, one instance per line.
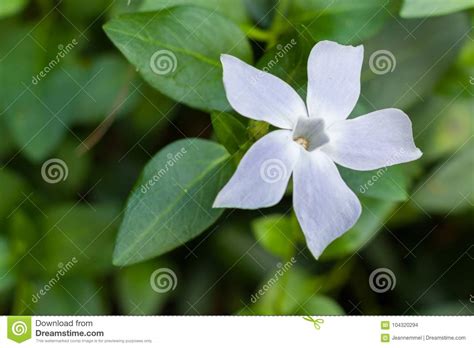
(257,34)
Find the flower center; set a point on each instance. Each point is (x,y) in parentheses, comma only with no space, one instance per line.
(310,133)
(303,142)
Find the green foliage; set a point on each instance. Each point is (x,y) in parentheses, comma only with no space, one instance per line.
(344,21)
(419,60)
(229,130)
(181,66)
(172,201)
(11,7)
(278,234)
(387,183)
(374,214)
(111,88)
(448,188)
(66,236)
(12,190)
(428,8)
(234,9)
(136,296)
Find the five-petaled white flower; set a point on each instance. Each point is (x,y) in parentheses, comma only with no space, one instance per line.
(312,137)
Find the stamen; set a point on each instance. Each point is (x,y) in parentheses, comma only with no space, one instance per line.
(303,142)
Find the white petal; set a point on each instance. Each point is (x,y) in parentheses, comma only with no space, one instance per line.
(333,80)
(379,139)
(263,173)
(324,205)
(259,95)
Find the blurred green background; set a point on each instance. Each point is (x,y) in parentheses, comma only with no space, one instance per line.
(67,93)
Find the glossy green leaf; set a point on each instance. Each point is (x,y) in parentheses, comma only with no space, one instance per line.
(429,8)
(177,51)
(449,187)
(172,201)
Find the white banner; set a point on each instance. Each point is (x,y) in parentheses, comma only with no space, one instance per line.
(237,331)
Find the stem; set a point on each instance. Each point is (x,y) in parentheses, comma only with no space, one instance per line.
(98,133)
(257,34)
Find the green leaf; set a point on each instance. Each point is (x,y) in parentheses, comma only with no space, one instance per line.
(387,183)
(344,21)
(67,236)
(277,234)
(374,213)
(177,51)
(449,187)
(41,101)
(261,11)
(11,7)
(229,130)
(172,201)
(284,291)
(135,294)
(234,9)
(429,8)
(415,61)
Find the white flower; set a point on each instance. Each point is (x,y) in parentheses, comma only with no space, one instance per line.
(312,137)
